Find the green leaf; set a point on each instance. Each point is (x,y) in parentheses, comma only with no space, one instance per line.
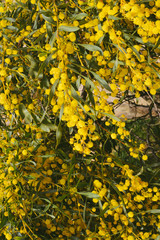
(44,127)
(47,13)
(90,115)
(91,97)
(75,95)
(113,17)
(47,207)
(115,64)
(89,82)
(68,28)
(31,60)
(61,112)
(138,39)
(91,47)
(86,78)
(53,89)
(121,49)
(10,19)
(61,198)
(79,16)
(35,118)
(89,194)
(47,155)
(36,22)
(136,52)
(49,29)
(50,215)
(3,222)
(118,192)
(23,5)
(25,115)
(58,135)
(158,238)
(154,211)
(157,73)
(112,116)
(101,81)
(48,19)
(20,238)
(127,36)
(45,63)
(157,43)
(15,29)
(53,38)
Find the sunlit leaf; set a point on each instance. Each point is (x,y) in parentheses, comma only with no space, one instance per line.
(91,48)
(68,28)
(58,135)
(25,115)
(112,116)
(89,194)
(79,16)
(101,81)
(53,89)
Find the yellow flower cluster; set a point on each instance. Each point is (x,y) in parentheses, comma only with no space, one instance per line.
(69,167)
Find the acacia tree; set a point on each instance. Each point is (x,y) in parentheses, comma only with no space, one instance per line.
(70,168)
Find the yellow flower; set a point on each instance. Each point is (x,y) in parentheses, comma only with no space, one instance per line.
(152,91)
(1,9)
(42,58)
(113,136)
(97,183)
(130,238)
(72,37)
(7,60)
(2,98)
(47,46)
(24,152)
(69,48)
(62,181)
(144,157)
(49,172)
(130,214)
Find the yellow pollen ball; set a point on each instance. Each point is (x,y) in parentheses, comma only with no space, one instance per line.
(24,152)
(49,172)
(113,136)
(97,184)
(130,238)
(144,157)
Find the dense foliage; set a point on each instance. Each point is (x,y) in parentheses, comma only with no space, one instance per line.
(69,167)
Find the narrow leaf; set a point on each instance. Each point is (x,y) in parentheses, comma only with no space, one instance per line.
(154,211)
(24,113)
(89,194)
(91,47)
(115,64)
(112,116)
(79,16)
(58,135)
(157,43)
(136,52)
(49,29)
(101,81)
(44,127)
(48,19)
(68,28)
(53,38)
(53,89)
(75,95)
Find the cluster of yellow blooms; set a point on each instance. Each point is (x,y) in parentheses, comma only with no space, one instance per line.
(68,165)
